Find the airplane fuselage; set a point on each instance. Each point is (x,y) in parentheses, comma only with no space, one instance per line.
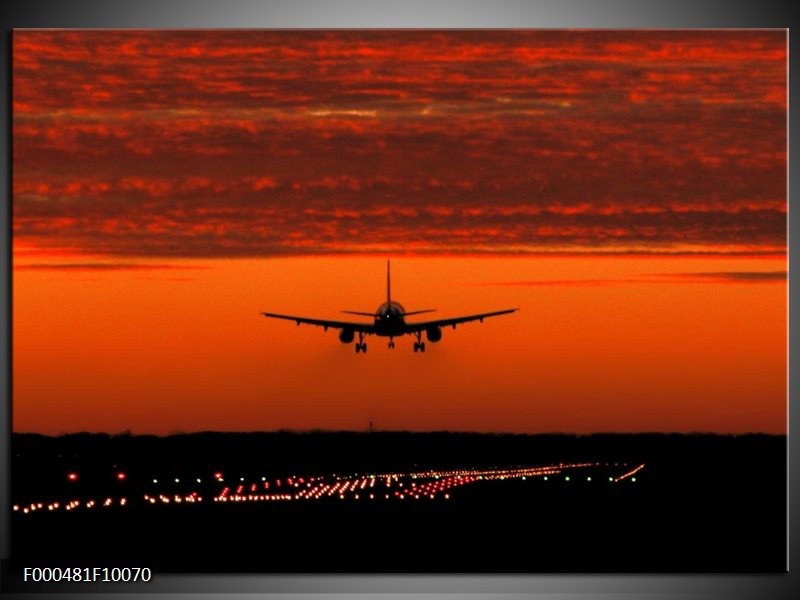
(390,320)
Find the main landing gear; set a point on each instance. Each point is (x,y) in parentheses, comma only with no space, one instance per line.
(361,345)
(391,343)
(419,345)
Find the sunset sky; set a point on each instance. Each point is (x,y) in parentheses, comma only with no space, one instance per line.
(625,189)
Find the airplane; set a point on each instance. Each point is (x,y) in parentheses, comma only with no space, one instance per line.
(390,321)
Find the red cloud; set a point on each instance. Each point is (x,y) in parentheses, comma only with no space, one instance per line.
(262,142)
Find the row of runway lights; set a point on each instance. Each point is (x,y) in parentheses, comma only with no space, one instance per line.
(357,488)
(72,505)
(292,481)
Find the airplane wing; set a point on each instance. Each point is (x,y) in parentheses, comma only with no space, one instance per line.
(366,328)
(414,327)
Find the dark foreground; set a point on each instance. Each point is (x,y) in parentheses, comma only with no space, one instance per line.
(701,503)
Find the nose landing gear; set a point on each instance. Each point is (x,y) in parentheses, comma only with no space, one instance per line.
(419,345)
(361,345)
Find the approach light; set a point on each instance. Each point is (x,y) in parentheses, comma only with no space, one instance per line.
(72,476)
(121,476)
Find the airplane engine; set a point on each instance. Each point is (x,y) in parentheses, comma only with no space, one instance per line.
(346,336)
(434,333)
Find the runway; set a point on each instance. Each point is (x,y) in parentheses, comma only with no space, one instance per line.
(402,502)
(393,487)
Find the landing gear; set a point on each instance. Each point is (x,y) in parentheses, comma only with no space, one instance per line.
(391,343)
(361,345)
(419,345)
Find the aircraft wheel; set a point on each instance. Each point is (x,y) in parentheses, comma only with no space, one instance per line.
(364,347)
(358,347)
(422,346)
(416,346)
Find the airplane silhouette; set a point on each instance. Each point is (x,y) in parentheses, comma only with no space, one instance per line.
(389,322)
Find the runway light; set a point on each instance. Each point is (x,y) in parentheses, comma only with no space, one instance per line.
(72,476)
(121,476)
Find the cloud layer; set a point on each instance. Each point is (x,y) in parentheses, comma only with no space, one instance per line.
(659,278)
(262,143)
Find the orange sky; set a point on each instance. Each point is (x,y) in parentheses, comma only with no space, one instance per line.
(626,190)
(612,344)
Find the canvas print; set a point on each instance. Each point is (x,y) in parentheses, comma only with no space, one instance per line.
(392,301)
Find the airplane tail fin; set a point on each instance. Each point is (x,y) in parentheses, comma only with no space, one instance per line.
(388,282)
